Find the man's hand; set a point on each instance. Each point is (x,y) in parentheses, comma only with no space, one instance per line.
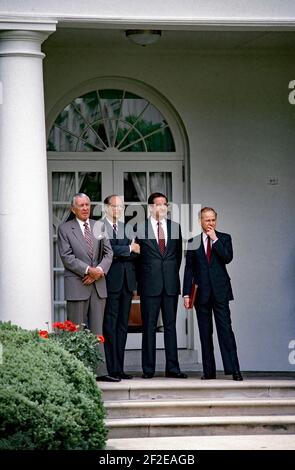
(135,247)
(87,280)
(186,302)
(95,273)
(211,233)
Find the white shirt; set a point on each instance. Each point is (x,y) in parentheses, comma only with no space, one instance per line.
(205,240)
(163,222)
(112,225)
(81,223)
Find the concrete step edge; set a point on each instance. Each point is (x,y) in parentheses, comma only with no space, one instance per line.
(199,402)
(158,384)
(201,421)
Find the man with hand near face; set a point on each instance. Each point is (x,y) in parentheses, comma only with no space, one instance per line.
(206,260)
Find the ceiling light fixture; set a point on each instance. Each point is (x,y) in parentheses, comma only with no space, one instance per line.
(143,37)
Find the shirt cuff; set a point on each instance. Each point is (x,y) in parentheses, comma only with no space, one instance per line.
(87,269)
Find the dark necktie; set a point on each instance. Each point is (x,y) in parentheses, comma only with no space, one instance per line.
(161,238)
(208,252)
(115,228)
(88,239)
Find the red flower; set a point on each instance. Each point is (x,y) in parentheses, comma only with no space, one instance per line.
(58,325)
(100,338)
(43,334)
(67,326)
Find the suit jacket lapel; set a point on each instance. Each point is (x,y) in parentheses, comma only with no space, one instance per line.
(78,233)
(168,244)
(150,235)
(95,240)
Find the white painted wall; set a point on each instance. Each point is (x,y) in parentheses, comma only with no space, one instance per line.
(240,127)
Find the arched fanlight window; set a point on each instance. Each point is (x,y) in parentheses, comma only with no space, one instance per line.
(104,119)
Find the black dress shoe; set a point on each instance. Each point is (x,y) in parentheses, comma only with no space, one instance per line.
(176,375)
(208,377)
(147,375)
(237,376)
(108,378)
(125,376)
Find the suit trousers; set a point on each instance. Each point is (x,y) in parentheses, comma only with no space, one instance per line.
(225,334)
(89,312)
(150,309)
(115,329)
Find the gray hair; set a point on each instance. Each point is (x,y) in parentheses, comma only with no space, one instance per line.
(73,203)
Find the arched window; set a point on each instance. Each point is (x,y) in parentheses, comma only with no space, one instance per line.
(110,118)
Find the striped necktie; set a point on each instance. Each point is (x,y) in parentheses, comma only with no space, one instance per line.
(161,238)
(115,228)
(208,251)
(88,239)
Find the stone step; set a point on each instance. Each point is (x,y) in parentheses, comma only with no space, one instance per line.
(229,442)
(199,426)
(199,407)
(163,388)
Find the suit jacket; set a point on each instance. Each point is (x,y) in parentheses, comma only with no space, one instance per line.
(159,272)
(123,265)
(211,277)
(73,252)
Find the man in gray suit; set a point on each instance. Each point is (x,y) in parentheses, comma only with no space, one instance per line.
(87,255)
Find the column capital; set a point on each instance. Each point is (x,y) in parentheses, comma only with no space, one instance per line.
(21,42)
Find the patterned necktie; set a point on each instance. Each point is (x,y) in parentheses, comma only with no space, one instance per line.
(115,228)
(161,238)
(88,239)
(208,251)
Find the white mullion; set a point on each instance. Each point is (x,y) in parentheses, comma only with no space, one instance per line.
(148,135)
(132,126)
(131,143)
(118,120)
(103,120)
(89,125)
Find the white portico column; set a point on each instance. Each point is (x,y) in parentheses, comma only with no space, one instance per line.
(25,281)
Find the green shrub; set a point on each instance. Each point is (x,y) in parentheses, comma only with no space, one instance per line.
(78,341)
(48,398)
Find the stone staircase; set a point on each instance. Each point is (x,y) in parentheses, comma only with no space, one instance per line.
(163,407)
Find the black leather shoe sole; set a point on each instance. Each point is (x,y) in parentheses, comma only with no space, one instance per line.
(107,378)
(208,377)
(147,376)
(176,375)
(126,376)
(237,376)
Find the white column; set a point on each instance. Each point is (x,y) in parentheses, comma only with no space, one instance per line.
(25,280)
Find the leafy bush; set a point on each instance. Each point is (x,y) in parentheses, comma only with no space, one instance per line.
(49,399)
(78,341)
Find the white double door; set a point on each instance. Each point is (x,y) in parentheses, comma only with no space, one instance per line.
(134,180)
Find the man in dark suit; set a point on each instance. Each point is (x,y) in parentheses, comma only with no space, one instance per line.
(206,259)
(159,286)
(87,255)
(121,282)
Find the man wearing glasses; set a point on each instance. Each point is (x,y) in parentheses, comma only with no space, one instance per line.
(121,282)
(159,285)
